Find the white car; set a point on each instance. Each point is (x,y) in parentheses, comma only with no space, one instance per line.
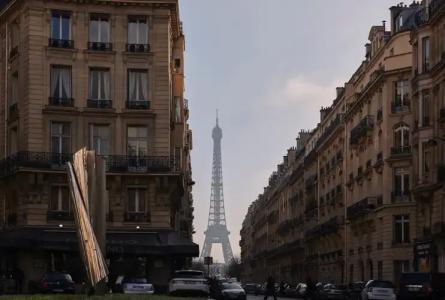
(189,282)
(378,290)
(137,285)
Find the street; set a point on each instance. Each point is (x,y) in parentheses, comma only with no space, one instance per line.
(260,297)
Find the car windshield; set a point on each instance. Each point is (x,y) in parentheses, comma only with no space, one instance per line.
(189,274)
(135,280)
(414,278)
(381,284)
(58,276)
(230,286)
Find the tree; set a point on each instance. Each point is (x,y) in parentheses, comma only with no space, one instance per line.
(234,268)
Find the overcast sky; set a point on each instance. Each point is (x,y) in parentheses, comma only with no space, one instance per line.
(268,66)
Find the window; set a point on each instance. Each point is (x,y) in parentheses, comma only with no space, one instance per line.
(14,37)
(137,31)
(136,200)
(60,138)
(60,198)
(60,26)
(351,273)
(401,136)
(13,137)
(99,84)
(100,139)
(402,95)
(401,182)
(380,270)
(137,141)
(371,269)
(178,117)
(14,93)
(99,29)
(400,266)
(426,54)
(425,109)
(399,23)
(427,159)
(137,85)
(401,229)
(60,85)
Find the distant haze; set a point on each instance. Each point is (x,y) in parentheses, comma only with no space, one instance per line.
(268,66)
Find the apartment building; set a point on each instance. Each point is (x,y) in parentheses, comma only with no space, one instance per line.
(106,75)
(428,88)
(358,170)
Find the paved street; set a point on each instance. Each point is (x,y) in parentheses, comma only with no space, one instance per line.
(251,297)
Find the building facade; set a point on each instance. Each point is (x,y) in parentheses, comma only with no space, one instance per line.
(371,170)
(106,75)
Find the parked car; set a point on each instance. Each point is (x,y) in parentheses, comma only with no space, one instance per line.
(188,282)
(57,283)
(251,288)
(230,290)
(422,286)
(302,290)
(378,290)
(291,291)
(137,285)
(333,291)
(355,290)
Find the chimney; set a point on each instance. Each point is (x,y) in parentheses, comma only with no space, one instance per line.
(339,90)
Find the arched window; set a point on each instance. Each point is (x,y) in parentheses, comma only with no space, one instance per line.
(401,136)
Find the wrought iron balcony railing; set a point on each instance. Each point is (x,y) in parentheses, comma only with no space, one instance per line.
(138,104)
(363,207)
(400,196)
(57,161)
(401,150)
(361,129)
(99,103)
(59,43)
(137,217)
(398,107)
(138,48)
(331,128)
(59,101)
(100,46)
(59,215)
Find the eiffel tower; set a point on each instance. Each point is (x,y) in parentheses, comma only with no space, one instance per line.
(217,232)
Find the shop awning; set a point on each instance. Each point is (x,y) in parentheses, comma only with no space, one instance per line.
(165,242)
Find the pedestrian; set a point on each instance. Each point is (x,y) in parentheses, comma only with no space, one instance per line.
(270,289)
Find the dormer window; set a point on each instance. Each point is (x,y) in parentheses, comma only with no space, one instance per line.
(399,23)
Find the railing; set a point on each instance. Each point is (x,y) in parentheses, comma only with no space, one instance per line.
(138,104)
(99,103)
(331,128)
(53,215)
(57,161)
(59,101)
(59,43)
(138,48)
(100,46)
(138,217)
(400,107)
(400,196)
(402,150)
(362,129)
(362,207)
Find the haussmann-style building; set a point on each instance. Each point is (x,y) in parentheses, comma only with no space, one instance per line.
(109,76)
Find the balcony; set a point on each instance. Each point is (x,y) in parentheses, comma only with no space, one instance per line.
(401,151)
(96,103)
(138,104)
(363,128)
(137,217)
(363,207)
(59,101)
(100,46)
(58,43)
(331,128)
(59,215)
(57,162)
(400,196)
(397,108)
(138,48)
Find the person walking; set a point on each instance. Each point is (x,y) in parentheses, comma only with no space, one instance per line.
(270,289)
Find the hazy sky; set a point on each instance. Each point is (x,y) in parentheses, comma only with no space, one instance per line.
(268,66)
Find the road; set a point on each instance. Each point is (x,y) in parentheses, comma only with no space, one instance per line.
(251,297)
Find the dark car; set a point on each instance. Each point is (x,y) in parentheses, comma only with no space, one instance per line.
(355,289)
(57,283)
(230,290)
(251,288)
(422,286)
(333,291)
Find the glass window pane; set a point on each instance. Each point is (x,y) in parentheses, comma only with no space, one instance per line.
(132,132)
(131,200)
(54,198)
(132,148)
(94,30)
(65,34)
(141,207)
(143,33)
(104,31)
(55,27)
(132,32)
(142,132)
(65,198)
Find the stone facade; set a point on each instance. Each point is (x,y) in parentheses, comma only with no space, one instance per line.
(106,75)
(370,174)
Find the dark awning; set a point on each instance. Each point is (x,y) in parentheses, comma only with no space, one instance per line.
(118,242)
